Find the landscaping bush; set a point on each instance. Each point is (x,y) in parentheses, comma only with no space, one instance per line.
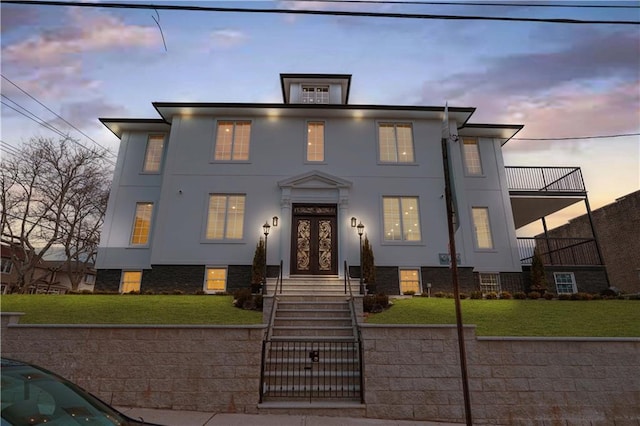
(439,294)
(476,295)
(375,303)
(492,295)
(409,292)
(177,292)
(505,295)
(463,296)
(244,299)
(548,296)
(519,295)
(564,296)
(534,295)
(581,296)
(449,295)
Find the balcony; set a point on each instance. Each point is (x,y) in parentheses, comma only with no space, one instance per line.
(560,251)
(537,192)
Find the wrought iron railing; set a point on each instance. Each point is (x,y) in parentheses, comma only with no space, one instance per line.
(559,251)
(310,369)
(545,179)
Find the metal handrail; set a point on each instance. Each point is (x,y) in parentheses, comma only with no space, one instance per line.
(279,281)
(267,336)
(356,329)
(545,179)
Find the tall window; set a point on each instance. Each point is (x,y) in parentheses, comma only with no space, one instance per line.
(216,280)
(153,155)
(315,95)
(565,282)
(409,280)
(130,281)
(232,141)
(395,142)
(315,141)
(482,227)
(490,283)
(401,219)
(472,163)
(142,224)
(225,217)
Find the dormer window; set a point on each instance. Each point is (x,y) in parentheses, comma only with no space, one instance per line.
(315,94)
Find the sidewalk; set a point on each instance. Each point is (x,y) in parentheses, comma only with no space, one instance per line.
(195,418)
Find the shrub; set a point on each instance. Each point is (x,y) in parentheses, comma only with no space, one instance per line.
(409,292)
(534,295)
(177,292)
(564,296)
(149,292)
(133,292)
(505,295)
(596,297)
(548,296)
(382,299)
(581,296)
(463,296)
(375,303)
(449,295)
(439,294)
(199,292)
(476,295)
(492,295)
(519,295)
(244,299)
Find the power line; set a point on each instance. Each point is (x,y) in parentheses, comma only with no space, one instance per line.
(318,12)
(446,3)
(30,115)
(620,135)
(54,113)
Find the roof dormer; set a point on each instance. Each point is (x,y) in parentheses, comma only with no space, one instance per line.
(315,88)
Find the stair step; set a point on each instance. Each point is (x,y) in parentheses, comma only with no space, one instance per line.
(314,338)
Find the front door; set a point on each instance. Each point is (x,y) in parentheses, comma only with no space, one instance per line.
(314,244)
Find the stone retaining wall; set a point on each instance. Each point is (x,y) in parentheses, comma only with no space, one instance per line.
(411,372)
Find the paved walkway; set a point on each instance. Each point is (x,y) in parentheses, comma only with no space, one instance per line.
(195,418)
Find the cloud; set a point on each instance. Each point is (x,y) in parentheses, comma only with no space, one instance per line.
(227,38)
(12,17)
(86,32)
(84,113)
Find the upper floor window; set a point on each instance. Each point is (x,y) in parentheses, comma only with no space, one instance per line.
(130,281)
(225,217)
(153,154)
(315,94)
(401,219)
(7,265)
(232,141)
(482,227)
(142,224)
(395,142)
(315,141)
(472,164)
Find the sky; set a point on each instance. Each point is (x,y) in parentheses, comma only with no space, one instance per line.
(76,64)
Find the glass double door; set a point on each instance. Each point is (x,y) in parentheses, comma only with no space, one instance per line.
(314,245)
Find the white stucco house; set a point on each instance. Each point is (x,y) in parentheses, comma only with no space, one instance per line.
(193,189)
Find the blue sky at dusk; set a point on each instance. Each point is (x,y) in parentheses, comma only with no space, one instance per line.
(559,80)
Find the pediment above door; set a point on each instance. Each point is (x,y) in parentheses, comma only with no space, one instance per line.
(315,179)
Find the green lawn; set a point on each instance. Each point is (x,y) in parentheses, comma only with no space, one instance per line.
(594,318)
(127,309)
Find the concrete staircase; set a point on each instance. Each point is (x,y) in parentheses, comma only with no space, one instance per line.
(312,352)
(311,285)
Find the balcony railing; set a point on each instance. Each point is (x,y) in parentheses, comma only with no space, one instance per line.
(559,251)
(545,179)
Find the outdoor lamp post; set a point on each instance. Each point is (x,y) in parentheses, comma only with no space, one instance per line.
(360,232)
(265,228)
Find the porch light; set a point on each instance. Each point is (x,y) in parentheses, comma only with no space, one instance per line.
(353,222)
(360,229)
(275,221)
(266,228)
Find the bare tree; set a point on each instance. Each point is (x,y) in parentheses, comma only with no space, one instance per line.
(53,194)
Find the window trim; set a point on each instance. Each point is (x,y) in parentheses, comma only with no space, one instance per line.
(574,284)
(215,140)
(475,233)
(122,274)
(410,268)
(306,142)
(9,262)
(133,226)
(162,154)
(226,278)
(465,163)
(315,87)
(207,199)
(395,123)
(402,242)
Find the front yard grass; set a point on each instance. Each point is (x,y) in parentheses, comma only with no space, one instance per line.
(127,309)
(593,318)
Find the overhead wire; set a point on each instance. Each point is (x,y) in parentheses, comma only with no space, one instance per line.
(449,3)
(316,12)
(620,135)
(57,115)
